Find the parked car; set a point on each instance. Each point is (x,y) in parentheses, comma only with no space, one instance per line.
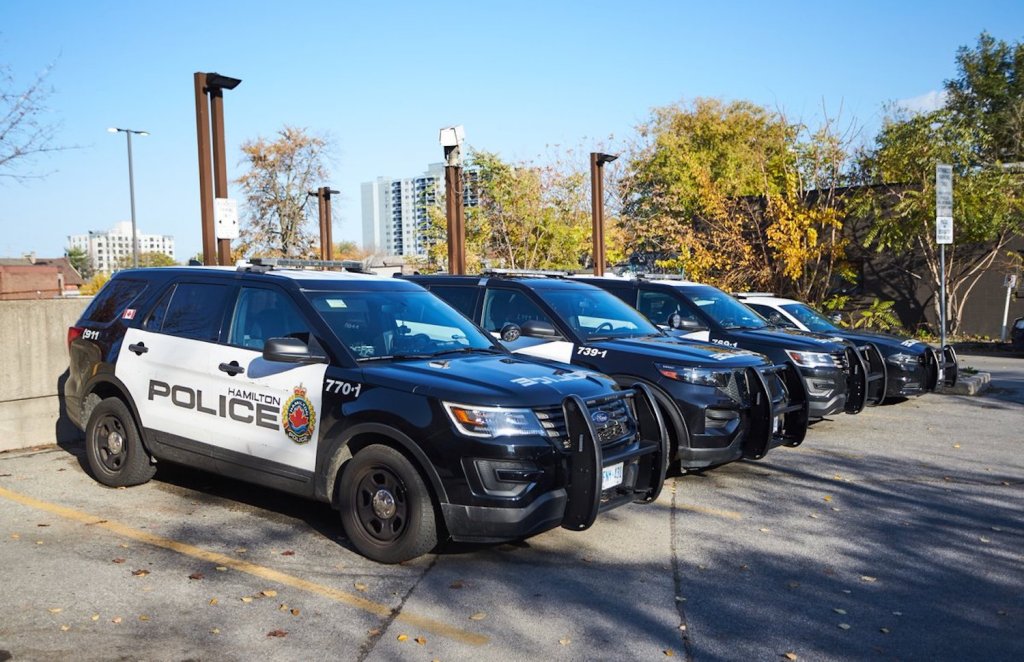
(367,393)
(835,374)
(720,404)
(1017,334)
(913,367)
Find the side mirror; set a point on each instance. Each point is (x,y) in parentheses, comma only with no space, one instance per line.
(539,329)
(690,325)
(511,332)
(290,350)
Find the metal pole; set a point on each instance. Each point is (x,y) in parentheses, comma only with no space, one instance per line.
(942,294)
(456,224)
(131,193)
(323,230)
(597,212)
(327,222)
(220,168)
(1006,312)
(205,171)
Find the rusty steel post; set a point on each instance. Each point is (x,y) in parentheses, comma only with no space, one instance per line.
(319,195)
(597,161)
(220,168)
(328,230)
(456,220)
(597,213)
(205,171)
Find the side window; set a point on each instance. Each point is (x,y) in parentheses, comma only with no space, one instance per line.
(191,310)
(503,307)
(113,299)
(460,297)
(261,314)
(658,307)
(773,316)
(625,293)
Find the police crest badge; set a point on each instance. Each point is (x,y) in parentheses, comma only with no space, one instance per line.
(298,417)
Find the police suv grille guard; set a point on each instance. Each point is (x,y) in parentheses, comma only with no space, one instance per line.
(878,374)
(618,426)
(789,400)
(642,480)
(950,366)
(932,369)
(856,381)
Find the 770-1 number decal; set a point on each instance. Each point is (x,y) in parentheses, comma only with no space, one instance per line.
(592,351)
(342,388)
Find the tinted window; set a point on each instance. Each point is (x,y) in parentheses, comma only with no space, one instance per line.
(594,313)
(113,299)
(462,297)
(191,310)
(264,313)
(503,307)
(659,307)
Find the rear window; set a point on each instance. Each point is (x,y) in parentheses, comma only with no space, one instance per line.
(113,299)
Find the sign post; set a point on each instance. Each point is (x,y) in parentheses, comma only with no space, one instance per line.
(943,234)
(1010,283)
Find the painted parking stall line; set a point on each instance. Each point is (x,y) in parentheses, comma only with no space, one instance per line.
(383,611)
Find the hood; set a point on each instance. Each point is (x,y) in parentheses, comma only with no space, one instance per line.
(787,339)
(887,344)
(490,380)
(678,350)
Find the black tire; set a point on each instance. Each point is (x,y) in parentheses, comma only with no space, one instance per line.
(113,447)
(385,506)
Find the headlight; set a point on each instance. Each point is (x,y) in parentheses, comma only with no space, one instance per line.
(490,422)
(902,360)
(701,376)
(811,359)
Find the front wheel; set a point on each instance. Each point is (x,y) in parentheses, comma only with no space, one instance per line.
(113,447)
(385,506)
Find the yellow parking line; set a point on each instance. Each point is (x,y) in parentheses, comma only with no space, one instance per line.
(727,514)
(383,611)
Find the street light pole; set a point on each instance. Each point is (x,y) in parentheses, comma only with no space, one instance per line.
(597,161)
(131,188)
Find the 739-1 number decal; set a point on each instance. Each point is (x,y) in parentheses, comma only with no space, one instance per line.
(342,388)
(592,351)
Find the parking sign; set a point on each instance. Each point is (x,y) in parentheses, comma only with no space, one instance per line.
(943,204)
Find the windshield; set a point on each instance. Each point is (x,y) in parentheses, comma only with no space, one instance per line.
(723,309)
(810,318)
(596,314)
(397,324)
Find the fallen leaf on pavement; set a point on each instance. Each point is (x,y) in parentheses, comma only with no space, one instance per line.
(762,530)
(213,601)
(897,613)
(420,640)
(42,525)
(984,539)
(956,445)
(827,497)
(868,578)
(565,642)
(287,552)
(269,593)
(373,632)
(479,616)
(141,572)
(221,568)
(15,536)
(214,630)
(95,617)
(247,599)
(116,619)
(839,611)
(403,637)
(196,575)
(119,560)
(669,652)
(241,550)
(789,655)
(277,633)
(295,612)
(143,617)
(844,626)
(884,630)
(361,587)
(56,610)
(458,583)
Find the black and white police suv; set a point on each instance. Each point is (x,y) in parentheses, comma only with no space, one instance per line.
(913,367)
(368,393)
(835,374)
(719,404)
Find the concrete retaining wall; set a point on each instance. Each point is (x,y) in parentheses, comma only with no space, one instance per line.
(33,335)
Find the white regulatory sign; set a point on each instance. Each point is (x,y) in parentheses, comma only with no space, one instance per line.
(225,218)
(943,204)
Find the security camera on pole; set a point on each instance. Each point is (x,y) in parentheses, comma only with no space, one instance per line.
(943,234)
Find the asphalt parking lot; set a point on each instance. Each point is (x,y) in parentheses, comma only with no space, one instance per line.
(894,534)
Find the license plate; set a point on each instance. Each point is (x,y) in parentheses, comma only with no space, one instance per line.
(611,476)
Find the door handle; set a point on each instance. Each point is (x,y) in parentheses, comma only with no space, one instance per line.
(232,368)
(138,348)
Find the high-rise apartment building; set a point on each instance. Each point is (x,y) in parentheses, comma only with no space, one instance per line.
(108,249)
(395,211)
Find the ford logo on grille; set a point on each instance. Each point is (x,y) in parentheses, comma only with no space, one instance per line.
(600,417)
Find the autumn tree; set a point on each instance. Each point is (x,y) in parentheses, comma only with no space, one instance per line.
(25,131)
(975,134)
(736,195)
(146,259)
(278,210)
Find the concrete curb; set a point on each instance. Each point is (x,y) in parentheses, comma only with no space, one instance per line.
(975,384)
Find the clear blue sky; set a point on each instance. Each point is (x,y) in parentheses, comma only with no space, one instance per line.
(382,78)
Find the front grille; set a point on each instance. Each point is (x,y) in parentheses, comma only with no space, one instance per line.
(841,361)
(614,413)
(737,388)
